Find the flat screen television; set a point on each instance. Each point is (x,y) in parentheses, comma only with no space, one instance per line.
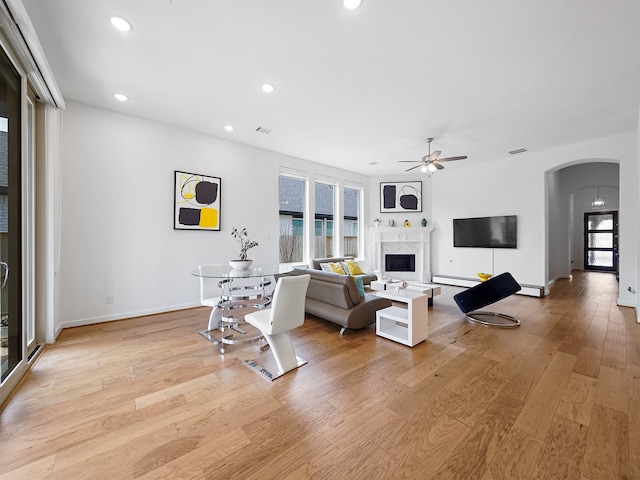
(486,232)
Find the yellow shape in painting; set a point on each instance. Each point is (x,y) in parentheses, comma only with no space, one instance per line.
(188,191)
(209,218)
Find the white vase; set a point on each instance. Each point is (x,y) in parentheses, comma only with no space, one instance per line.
(240,264)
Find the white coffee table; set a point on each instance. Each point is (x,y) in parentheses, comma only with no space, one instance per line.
(429,289)
(409,325)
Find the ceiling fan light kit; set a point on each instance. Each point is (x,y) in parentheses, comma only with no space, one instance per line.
(431,161)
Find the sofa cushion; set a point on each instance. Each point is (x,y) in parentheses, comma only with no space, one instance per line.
(354,267)
(360,285)
(316,262)
(336,267)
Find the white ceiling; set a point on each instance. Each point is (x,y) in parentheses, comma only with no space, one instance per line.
(354,87)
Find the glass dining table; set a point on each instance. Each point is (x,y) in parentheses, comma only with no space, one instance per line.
(241,292)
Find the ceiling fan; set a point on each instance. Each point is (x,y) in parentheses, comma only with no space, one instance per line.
(431,161)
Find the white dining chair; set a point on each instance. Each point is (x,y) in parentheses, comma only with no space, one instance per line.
(210,296)
(276,323)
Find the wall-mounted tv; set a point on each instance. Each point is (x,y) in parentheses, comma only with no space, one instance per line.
(486,232)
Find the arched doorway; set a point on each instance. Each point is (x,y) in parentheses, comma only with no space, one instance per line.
(571,189)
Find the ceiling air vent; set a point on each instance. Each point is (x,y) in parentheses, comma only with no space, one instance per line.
(264,130)
(519,150)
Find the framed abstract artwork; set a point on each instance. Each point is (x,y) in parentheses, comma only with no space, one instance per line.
(400,197)
(196,202)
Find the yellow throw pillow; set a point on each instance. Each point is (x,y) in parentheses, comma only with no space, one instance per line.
(336,267)
(354,268)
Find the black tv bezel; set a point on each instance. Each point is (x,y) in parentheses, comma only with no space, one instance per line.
(513,245)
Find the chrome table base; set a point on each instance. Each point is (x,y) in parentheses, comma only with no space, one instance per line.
(476,316)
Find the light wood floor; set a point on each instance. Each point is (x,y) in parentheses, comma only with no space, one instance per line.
(149,398)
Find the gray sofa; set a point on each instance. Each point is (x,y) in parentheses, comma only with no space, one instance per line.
(335,297)
(367,278)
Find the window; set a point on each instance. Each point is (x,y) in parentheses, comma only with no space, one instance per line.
(324,213)
(351,221)
(292,194)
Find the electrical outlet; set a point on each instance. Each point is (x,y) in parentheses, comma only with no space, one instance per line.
(108,299)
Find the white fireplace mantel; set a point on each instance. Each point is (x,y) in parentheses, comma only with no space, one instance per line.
(412,240)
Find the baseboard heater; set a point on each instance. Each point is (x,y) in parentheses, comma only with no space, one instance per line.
(529,290)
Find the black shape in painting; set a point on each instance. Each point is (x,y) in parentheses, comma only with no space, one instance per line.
(189,216)
(206,193)
(409,202)
(389,196)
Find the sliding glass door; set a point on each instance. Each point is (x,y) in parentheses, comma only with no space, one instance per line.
(11,343)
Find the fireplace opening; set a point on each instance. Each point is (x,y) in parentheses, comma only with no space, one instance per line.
(399,262)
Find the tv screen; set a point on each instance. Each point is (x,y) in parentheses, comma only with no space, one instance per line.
(486,232)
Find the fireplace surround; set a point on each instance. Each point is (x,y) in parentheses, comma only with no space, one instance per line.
(414,241)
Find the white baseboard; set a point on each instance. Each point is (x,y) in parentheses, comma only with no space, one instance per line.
(122,316)
(566,277)
(529,290)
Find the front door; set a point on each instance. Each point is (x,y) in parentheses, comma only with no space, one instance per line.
(601,241)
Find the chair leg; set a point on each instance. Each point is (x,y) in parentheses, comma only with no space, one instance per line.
(214,322)
(283,353)
(493,319)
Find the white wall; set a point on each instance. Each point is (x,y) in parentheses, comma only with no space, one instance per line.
(558,221)
(516,185)
(117,232)
(117,235)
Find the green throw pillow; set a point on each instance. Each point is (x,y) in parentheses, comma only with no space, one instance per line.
(359,284)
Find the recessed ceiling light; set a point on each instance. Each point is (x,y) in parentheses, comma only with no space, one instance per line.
(267,88)
(121,96)
(373,163)
(352,4)
(121,24)
(228,128)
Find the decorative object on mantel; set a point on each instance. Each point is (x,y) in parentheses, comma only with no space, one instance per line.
(484,276)
(242,237)
(377,222)
(196,202)
(406,223)
(423,222)
(392,223)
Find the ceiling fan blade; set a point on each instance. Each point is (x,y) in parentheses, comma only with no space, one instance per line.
(438,166)
(409,161)
(450,159)
(434,155)
(413,168)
